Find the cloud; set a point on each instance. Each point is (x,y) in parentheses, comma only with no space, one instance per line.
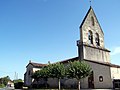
(115,51)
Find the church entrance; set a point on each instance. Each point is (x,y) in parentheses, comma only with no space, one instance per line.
(91,81)
(116,83)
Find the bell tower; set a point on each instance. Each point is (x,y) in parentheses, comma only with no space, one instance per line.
(91,43)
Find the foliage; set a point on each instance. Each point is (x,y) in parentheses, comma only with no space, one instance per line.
(36,75)
(52,70)
(4,80)
(56,70)
(75,69)
(78,70)
(43,73)
(18,85)
(2,85)
(17,80)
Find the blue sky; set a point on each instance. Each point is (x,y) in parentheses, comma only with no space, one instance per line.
(47,30)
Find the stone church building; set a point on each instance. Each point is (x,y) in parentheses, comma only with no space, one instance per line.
(91,49)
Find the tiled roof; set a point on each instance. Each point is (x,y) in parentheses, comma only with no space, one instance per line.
(69,60)
(37,64)
(97,62)
(104,63)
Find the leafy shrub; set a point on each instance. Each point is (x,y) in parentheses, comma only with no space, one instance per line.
(18,85)
(2,85)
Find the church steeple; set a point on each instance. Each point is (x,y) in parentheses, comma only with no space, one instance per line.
(90,30)
(91,43)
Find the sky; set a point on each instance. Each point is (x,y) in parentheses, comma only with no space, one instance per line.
(47,30)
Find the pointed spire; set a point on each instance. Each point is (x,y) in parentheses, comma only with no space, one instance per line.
(86,16)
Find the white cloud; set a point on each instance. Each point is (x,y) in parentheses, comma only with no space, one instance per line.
(115,51)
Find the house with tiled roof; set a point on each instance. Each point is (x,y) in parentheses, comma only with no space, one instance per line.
(91,49)
(30,69)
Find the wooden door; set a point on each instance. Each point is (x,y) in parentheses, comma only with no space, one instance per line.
(91,81)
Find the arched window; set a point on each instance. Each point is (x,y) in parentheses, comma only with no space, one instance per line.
(92,21)
(97,40)
(90,37)
(101,78)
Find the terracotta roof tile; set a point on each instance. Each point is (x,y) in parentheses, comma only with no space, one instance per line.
(105,63)
(69,60)
(97,62)
(37,64)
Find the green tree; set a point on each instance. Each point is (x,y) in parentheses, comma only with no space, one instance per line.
(43,73)
(56,70)
(36,75)
(78,70)
(5,80)
(18,83)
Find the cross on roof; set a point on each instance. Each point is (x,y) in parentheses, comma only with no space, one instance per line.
(90,2)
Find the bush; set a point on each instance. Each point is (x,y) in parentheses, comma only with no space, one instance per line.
(18,85)
(2,85)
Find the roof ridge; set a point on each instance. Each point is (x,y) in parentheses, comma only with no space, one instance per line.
(36,63)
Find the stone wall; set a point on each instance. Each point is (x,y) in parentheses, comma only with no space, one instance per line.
(99,70)
(95,54)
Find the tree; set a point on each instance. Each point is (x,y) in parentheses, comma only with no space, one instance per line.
(56,70)
(78,70)
(36,75)
(18,83)
(43,73)
(4,80)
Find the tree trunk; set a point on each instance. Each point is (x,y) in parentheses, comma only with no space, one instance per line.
(78,84)
(59,83)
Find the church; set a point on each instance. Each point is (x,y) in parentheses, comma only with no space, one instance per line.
(91,49)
